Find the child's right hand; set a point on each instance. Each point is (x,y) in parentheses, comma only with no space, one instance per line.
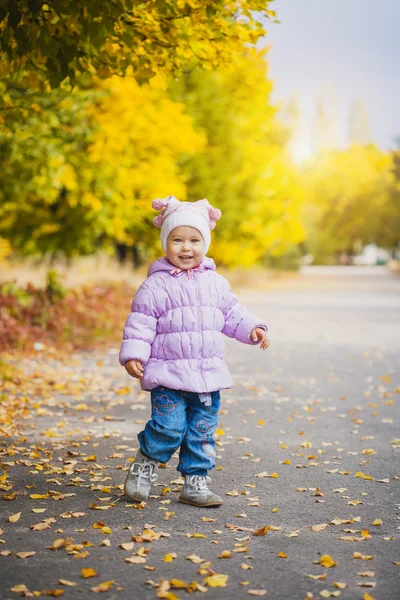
(134,368)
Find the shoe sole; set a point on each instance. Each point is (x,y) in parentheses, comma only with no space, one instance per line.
(206,505)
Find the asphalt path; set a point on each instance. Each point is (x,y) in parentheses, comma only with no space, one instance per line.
(308,436)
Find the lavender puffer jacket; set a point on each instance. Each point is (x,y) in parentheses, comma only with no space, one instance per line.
(176,325)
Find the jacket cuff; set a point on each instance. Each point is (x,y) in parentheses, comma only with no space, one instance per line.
(134,350)
(245,328)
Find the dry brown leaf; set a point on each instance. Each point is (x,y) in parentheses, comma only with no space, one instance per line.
(24,554)
(319,527)
(261,531)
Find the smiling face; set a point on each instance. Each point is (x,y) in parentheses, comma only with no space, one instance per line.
(185,247)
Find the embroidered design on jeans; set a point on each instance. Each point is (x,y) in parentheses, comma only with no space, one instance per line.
(163,405)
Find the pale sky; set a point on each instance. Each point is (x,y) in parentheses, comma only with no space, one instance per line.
(349,49)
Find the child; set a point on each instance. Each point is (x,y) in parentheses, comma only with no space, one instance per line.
(173,343)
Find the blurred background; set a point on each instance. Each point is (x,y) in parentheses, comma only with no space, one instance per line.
(283,114)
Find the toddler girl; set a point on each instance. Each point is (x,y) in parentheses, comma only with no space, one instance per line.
(173,343)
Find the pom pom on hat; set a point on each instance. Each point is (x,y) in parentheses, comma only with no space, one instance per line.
(200,215)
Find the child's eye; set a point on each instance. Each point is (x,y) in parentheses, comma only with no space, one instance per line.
(194,241)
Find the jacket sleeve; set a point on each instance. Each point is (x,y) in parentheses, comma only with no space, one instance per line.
(239,323)
(140,327)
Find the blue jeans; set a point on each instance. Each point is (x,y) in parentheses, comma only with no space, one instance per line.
(179,419)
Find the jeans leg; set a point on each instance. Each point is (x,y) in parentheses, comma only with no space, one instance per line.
(197,454)
(164,433)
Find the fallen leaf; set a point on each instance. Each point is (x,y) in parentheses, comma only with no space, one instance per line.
(377,522)
(340,585)
(257,592)
(103,587)
(89,572)
(281,555)
(127,545)
(261,531)
(194,558)
(216,580)
(319,527)
(362,556)
(24,554)
(327,561)
(14,518)
(66,582)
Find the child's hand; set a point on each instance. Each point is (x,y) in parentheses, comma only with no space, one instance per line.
(259,335)
(134,368)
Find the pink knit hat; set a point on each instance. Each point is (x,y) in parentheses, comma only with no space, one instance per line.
(200,215)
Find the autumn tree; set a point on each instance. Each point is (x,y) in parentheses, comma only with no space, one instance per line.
(60,39)
(346,191)
(245,168)
(78,174)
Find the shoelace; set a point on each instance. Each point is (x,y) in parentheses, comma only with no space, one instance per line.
(199,482)
(144,470)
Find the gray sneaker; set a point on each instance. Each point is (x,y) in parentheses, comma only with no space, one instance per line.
(196,492)
(142,473)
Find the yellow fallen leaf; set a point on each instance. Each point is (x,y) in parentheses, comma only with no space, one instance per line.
(38,510)
(194,558)
(195,535)
(54,593)
(169,557)
(369,451)
(14,518)
(281,555)
(362,475)
(91,458)
(362,556)
(368,596)
(318,577)
(340,585)
(327,561)
(89,572)
(105,530)
(216,580)
(66,582)
(377,522)
(366,574)
(225,554)
(328,594)
(24,554)
(39,496)
(274,510)
(177,583)
(245,566)
(103,587)
(261,531)
(257,592)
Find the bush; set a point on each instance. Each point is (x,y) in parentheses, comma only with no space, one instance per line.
(55,316)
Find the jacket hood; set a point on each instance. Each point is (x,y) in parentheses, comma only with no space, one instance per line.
(163,264)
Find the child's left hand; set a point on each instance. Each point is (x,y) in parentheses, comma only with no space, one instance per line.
(259,335)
